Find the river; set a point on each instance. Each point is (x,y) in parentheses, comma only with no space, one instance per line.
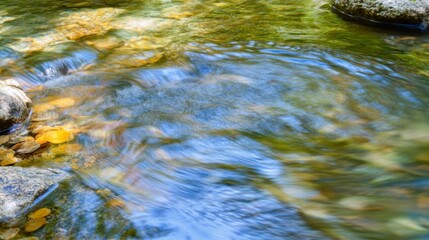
(224,119)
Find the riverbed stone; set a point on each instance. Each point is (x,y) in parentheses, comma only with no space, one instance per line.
(405,13)
(14,104)
(20,187)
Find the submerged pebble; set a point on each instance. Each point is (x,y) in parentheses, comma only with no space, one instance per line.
(34,224)
(28,146)
(40,213)
(9,233)
(4,139)
(135,58)
(7,157)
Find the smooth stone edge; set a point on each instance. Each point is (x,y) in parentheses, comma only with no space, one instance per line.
(19,220)
(422,27)
(12,83)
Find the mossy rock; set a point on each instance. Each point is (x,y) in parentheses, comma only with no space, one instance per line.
(393,13)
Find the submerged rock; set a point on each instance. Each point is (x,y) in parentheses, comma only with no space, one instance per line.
(396,13)
(20,187)
(14,104)
(77,25)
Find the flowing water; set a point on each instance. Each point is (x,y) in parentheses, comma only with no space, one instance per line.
(224,119)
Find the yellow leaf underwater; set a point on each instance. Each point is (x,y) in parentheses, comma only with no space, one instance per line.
(116,203)
(9,161)
(34,224)
(56,137)
(7,157)
(41,213)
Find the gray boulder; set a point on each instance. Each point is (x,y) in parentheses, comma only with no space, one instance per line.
(14,104)
(20,187)
(400,13)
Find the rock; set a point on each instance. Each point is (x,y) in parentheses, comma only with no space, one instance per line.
(106,43)
(77,25)
(29,146)
(145,43)
(4,139)
(396,13)
(7,157)
(134,59)
(14,104)
(9,233)
(19,188)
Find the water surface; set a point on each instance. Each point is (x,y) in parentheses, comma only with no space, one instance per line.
(225,120)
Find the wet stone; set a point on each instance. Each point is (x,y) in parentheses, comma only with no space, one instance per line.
(28,147)
(14,139)
(75,26)
(9,233)
(20,187)
(7,157)
(4,139)
(105,43)
(394,13)
(14,104)
(137,59)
